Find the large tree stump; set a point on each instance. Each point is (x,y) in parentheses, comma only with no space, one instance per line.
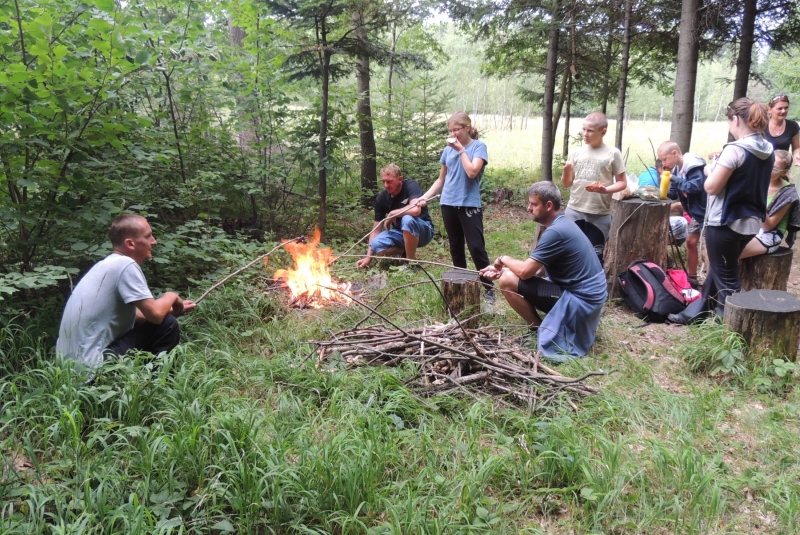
(767,320)
(462,293)
(766,271)
(639,229)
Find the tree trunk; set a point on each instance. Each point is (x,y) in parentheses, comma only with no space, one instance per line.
(623,73)
(322,218)
(745,57)
(639,229)
(391,65)
(366,132)
(768,320)
(608,57)
(562,95)
(567,116)
(766,272)
(461,291)
(549,94)
(686,77)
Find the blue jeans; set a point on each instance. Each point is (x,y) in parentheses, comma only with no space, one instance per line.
(394,238)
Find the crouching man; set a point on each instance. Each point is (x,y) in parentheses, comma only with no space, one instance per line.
(406,228)
(112,309)
(572,298)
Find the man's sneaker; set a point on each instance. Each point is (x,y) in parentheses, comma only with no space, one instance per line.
(489,297)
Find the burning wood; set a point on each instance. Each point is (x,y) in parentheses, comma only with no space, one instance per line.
(310,282)
(454,360)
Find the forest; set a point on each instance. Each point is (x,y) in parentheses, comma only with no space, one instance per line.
(233,124)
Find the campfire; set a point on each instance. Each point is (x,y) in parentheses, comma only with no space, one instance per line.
(310,282)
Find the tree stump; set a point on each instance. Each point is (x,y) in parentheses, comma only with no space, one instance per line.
(766,271)
(767,320)
(639,229)
(462,293)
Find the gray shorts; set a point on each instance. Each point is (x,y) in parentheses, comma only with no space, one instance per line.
(602,222)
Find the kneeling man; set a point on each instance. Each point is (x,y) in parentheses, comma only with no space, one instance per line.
(574,295)
(414,228)
(111,310)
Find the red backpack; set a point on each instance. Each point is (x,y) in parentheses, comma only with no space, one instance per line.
(649,292)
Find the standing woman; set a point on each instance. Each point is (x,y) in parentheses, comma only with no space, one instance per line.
(781,133)
(463,162)
(737,199)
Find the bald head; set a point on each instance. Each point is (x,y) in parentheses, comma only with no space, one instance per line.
(669,146)
(597,119)
(670,153)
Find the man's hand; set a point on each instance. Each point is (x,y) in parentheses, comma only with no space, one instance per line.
(364,262)
(421,202)
(568,167)
(491,272)
(188,306)
(181,307)
(387,225)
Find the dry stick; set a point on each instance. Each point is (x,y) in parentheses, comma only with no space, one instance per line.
(225,279)
(387,320)
(381,222)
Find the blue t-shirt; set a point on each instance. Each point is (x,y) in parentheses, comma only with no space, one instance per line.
(459,189)
(567,254)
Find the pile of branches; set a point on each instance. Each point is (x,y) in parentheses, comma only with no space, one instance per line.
(451,359)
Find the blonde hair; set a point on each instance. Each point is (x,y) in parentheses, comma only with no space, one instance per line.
(392,169)
(753,113)
(462,119)
(783,159)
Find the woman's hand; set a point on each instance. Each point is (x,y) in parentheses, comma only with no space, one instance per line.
(455,145)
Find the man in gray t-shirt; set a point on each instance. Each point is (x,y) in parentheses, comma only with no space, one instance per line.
(112,310)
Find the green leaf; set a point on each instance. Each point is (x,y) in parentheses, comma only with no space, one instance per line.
(142,57)
(224,525)
(79,246)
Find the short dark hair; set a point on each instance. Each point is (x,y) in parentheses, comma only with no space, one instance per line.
(546,191)
(124,227)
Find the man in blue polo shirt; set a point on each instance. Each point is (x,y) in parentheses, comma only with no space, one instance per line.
(572,296)
(406,229)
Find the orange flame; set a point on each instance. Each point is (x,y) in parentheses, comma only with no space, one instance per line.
(310,278)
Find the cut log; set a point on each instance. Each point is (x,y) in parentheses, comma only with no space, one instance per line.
(462,294)
(766,271)
(768,320)
(639,229)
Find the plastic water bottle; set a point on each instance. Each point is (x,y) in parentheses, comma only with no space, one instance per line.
(666,176)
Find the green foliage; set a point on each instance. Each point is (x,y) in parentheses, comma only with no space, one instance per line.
(715,350)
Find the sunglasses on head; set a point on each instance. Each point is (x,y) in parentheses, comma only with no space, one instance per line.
(777,98)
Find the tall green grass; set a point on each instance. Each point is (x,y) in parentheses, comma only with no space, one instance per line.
(238,431)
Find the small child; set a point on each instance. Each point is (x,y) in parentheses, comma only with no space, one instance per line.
(589,174)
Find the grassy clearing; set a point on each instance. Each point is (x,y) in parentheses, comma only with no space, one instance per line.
(236,431)
(522,149)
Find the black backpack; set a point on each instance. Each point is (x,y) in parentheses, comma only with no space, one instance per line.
(650,292)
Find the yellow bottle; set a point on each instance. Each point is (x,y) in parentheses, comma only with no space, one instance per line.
(666,176)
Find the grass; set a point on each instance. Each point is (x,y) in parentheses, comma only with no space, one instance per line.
(237,432)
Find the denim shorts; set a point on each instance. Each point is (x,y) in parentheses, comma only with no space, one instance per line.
(394,238)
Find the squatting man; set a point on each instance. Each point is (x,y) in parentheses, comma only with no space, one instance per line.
(398,201)
(572,295)
(112,310)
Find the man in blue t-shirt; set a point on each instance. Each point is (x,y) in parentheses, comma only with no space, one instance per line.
(406,226)
(572,296)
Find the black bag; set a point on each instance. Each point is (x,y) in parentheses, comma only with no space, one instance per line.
(649,291)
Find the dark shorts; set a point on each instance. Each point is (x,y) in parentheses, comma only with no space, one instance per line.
(539,292)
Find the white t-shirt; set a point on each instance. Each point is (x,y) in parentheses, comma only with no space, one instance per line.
(101,309)
(593,165)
